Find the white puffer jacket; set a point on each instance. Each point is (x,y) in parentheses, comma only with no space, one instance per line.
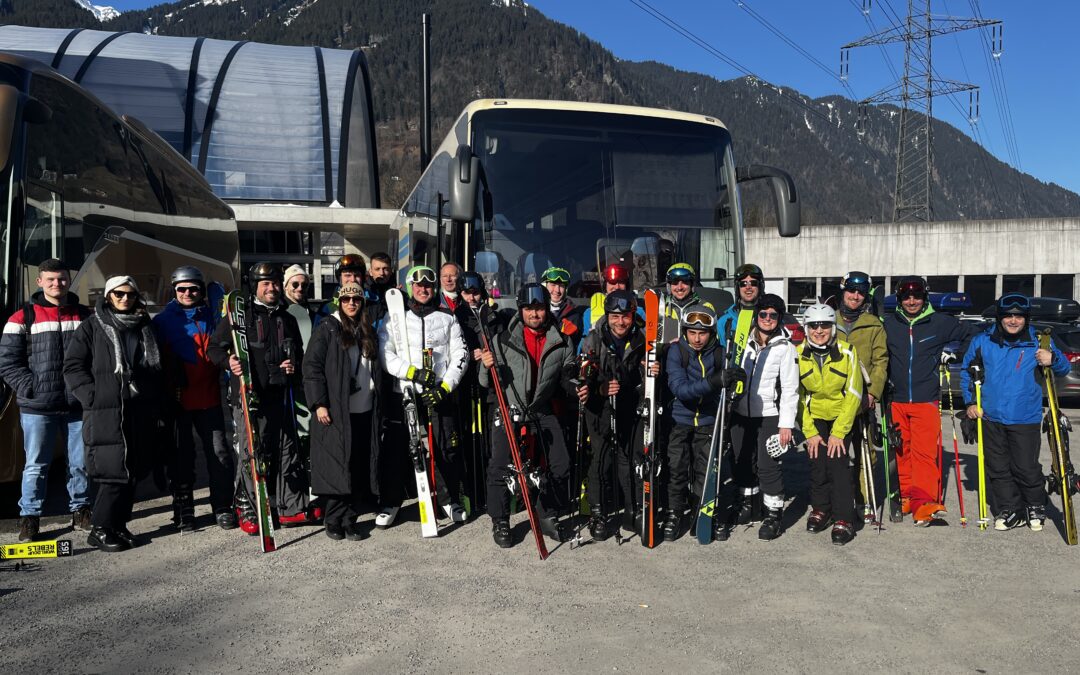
(765,366)
(438,330)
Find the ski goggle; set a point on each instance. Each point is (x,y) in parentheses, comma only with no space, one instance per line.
(531,296)
(556,275)
(911,289)
(472,282)
(617,304)
(1014,302)
(856,281)
(422,275)
(680,274)
(699,320)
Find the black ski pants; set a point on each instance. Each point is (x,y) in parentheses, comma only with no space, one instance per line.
(753,465)
(113,505)
(687,456)
(277,436)
(831,489)
(612,483)
(548,449)
(1012,465)
(207,429)
(395,460)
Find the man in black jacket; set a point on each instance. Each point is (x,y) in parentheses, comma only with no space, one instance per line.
(275,356)
(534,361)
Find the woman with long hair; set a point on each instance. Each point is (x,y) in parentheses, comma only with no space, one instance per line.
(341,378)
(113,367)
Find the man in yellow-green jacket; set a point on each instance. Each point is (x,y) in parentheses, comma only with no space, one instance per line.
(830,396)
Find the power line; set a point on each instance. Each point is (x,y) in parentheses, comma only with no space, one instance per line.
(681,30)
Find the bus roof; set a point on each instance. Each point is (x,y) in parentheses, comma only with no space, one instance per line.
(579,106)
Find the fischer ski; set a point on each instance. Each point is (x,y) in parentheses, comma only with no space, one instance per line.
(649,468)
(710,491)
(1057,426)
(249,401)
(395,316)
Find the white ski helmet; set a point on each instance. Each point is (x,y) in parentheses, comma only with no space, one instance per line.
(820,313)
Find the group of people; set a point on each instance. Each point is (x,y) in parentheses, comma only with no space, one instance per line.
(136,395)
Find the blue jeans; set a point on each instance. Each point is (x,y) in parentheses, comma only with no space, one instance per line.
(39,439)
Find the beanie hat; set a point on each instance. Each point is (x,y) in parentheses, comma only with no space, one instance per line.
(115,282)
(292,271)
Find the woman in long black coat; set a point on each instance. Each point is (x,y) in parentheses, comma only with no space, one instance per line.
(113,367)
(341,382)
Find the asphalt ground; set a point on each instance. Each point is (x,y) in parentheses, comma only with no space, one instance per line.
(943,599)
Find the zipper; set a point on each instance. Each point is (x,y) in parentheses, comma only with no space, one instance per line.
(910,360)
(697,411)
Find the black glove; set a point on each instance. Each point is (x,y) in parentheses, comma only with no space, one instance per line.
(423,377)
(728,378)
(969,428)
(433,396)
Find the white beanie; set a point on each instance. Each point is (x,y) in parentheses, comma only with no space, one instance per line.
(116,282)
(292,272)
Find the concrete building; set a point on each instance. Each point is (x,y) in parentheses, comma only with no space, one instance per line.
(983,258)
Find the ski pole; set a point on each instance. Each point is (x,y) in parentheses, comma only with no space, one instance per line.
(956,450)
(579,449)
(941,438)
(976,375)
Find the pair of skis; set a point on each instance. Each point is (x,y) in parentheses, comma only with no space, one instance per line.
(649,468)
(1063,477)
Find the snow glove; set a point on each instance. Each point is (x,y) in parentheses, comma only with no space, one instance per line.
(422,376)
(728,378)
(433,397)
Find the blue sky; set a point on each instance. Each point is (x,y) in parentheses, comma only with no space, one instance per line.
(1040,63)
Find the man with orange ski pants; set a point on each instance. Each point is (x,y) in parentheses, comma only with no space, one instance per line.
(916,335)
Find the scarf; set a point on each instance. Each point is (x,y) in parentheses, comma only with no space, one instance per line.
(106,318)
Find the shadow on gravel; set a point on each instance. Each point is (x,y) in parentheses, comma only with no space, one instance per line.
(309,535)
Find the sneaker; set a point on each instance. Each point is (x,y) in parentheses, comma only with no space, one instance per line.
(454,512)
(1036,516)
(106,540)
(927,513)
(1009,520)
(500,532)
(80,519)
(842,532)
(818,521)
(386,517)
(226,520)
(335,531)
(29,528)
(295,520)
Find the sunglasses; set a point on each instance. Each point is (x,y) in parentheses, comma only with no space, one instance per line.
(296,284)
(818,325)
(124,294)
(188,290)
(351,300)
(557,275)
(749,283)
(771,316)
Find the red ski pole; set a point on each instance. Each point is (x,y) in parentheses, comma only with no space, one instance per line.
(956,450)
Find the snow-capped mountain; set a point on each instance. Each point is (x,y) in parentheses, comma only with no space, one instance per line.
(102,13)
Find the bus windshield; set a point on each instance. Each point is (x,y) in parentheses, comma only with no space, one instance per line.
(581,190)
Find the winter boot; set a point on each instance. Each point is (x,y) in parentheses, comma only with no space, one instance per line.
(721,527)
(29,527)
(1036,516)
(598,526)
(1008,520)
(184,510)
(817,522)
(500,532)
(842,532)
(771,525)
(672,526)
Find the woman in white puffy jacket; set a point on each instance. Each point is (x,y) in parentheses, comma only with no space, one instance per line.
(764,417)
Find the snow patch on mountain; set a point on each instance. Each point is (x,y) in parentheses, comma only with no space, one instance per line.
(101,12)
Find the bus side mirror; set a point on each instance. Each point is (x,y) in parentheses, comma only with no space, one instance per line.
(464,181)
(784,195)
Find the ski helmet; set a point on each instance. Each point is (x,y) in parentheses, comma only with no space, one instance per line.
(620,302)
(699,317)
(422,275)
(912,286)
(749,270)
(350,262)
(187,273)
(533,294)
(471,281)
(616,274)
(681,272)
(820,314)
(264,271)
(1014,303)
(857,281)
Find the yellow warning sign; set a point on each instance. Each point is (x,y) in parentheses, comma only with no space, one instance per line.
(57,548)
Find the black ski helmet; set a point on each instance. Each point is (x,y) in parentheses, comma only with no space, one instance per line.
(620,302)
(533,294)
(749,270)
(350,262)
(857,281)
(264,271)
(473,281)
(912,285)
(1014,303)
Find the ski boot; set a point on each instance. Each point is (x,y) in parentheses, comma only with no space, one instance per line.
(721,527)
(817,522)
(672,526)
(1008,520)
(184,510)
(1036,516)
(550,527)
(500,532)
(771,524)
(598,526)
(842,532)
(226,520)
(749,509)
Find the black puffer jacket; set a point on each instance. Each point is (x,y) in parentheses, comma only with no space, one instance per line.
(32,354)
(327,372)
(121,404)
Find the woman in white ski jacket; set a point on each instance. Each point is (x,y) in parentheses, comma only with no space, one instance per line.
(763,419)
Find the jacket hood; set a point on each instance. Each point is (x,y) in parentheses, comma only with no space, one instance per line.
(927,311)
(38,298)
